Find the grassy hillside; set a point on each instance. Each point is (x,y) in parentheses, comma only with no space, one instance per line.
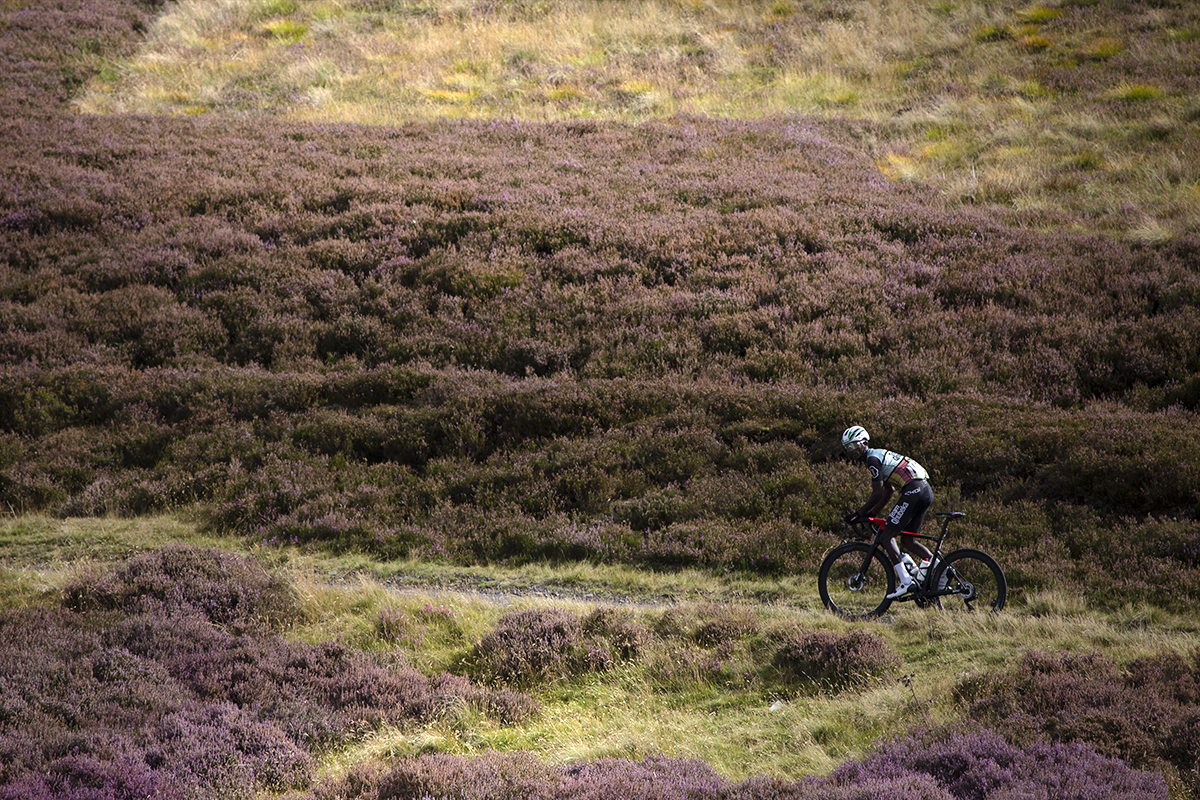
(619,348)
(1079,114)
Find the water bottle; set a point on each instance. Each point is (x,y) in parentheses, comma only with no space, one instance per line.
(909,564)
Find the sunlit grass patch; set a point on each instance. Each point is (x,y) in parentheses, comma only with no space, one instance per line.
(992,32)
(285,30)
(947,153)
(1087,160)
(1038,14)
(1035,42)
(899,167)
(814,90)
(1150,231)
(1135,93)
(1103,48)
(452,96)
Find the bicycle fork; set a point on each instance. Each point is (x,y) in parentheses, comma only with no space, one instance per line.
(858,579)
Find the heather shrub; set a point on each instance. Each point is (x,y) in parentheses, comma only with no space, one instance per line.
(224,588)
(678,667)
(85,777)
(655,778)
(836,660)
(317,693)
(973,765)
(172,683)
(226,747)
(495,776)
(723,625)
(360,782)
(83,717)
(944,764)
(452,692)
(1144,712)
(617,629)
(709,645)
(530,647)
(897,786)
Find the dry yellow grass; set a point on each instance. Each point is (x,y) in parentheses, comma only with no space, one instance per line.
(944,88)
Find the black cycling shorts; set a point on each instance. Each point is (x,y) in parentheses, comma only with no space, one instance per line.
(908,514)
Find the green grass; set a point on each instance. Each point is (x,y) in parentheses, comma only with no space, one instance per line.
(647,707)
(901,70)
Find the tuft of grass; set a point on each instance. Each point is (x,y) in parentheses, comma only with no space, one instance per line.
(1038,14)
(1103,48)
(1135,93)
(287,31)
(1086,159)
(992,32)
(1035,42)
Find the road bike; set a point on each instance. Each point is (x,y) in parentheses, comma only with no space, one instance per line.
(857,576)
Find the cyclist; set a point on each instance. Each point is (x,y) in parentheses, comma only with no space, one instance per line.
(891,471)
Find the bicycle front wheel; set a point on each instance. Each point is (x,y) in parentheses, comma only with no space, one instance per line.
(970,580)
(849,589)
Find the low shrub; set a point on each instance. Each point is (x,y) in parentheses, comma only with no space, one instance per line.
(973,765)
(617,630)
(682,668)
(84,716)
(502,705)
(529,647)
(723,625)
(172,685)
(493,776)
(941,764)
(91,775)
(836,660)
(182,580)
(705,646)
(1144,712)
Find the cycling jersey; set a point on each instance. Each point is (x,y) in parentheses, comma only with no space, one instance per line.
(894,468)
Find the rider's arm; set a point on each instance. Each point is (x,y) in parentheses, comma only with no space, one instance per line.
(881,492)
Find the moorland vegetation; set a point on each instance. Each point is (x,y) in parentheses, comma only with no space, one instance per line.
(1080,106)
(509,342)
(188,672)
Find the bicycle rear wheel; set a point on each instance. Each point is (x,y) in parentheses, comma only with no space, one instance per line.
(847,589)
(970,580)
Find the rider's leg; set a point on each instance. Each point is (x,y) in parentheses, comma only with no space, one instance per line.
(911,543)
(893,550)
(904,581)
(909,514)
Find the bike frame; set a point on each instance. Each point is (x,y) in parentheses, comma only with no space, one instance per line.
(878,524)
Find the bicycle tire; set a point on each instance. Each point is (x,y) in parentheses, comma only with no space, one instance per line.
(842,590)
(970,580)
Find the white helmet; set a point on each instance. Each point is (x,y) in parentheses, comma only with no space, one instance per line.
(855,438)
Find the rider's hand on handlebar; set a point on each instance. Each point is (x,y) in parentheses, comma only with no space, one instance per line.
(858,525)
